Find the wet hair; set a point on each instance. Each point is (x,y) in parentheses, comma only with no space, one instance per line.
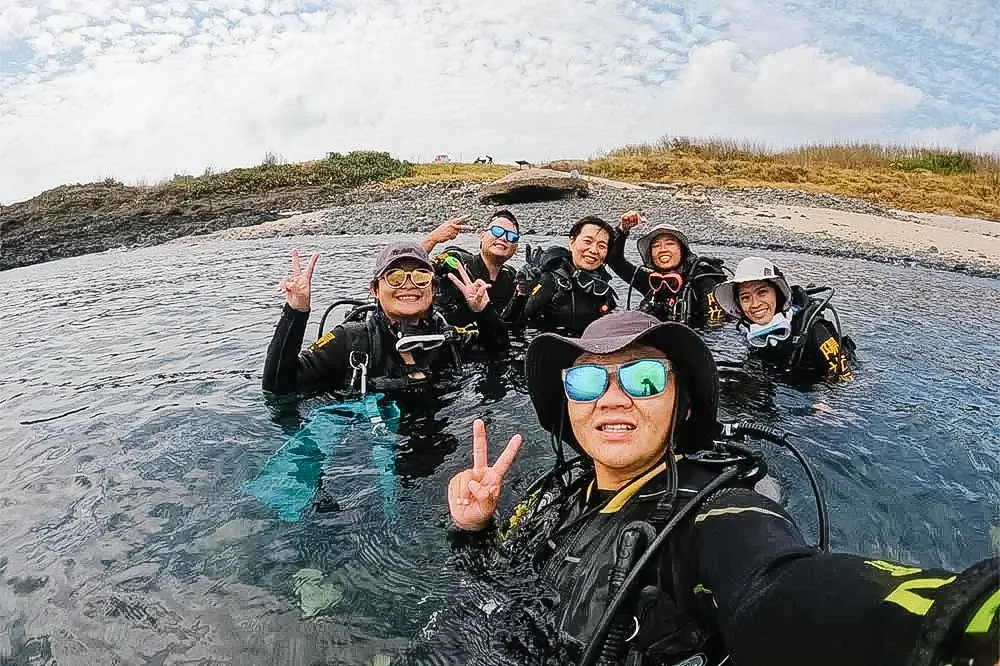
(507,215)
(575,230)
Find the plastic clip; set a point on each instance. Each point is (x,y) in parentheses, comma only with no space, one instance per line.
(359,362)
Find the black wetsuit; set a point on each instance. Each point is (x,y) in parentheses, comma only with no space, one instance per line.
(694,304)
(449,300)
(818,352)
(326,364)
(564,299)
(735,577)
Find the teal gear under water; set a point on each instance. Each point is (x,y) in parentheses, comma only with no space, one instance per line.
(289,479)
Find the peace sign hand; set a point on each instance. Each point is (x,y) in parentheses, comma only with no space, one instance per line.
(447,231)
(476,292)
(297,287)
(473,494)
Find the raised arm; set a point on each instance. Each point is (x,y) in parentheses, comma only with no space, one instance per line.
(324,363)
(782,603)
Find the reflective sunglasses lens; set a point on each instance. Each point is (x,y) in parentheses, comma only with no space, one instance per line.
(395,278)
(585,383)
(421,277)
(508,235)
(643,379)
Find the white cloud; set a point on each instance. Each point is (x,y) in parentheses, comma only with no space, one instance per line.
(968,138)
(800,90)
(164,90)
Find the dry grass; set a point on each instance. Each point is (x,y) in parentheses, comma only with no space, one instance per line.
(904,177)
(452,172)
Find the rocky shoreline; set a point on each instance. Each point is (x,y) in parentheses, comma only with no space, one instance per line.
(750,218)
(747,218)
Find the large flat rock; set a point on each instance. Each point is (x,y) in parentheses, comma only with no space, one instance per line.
(529,185)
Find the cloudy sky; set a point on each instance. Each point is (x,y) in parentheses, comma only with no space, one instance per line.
(139,91)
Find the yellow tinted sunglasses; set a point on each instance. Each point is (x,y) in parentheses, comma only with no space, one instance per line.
(420,277)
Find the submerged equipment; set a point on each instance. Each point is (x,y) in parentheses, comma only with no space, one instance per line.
(289,478)
(363,359)
(737,462)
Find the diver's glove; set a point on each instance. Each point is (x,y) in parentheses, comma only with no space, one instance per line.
(528,274)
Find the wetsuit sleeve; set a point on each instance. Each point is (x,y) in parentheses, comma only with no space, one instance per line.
(637,276)
(288,371)
(473,550)
(781,603)
(829,353)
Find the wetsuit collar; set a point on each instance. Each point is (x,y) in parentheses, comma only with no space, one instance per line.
(628,492)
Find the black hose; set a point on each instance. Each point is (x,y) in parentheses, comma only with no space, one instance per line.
(344,301)
(601,632)
(780,438)
(631,540)
(819,308)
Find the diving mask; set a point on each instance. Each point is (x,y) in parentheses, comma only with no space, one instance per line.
(411,343)
(775,331)
(672,282)
(590,283)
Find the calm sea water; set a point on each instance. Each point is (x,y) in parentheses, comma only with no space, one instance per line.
(132,414)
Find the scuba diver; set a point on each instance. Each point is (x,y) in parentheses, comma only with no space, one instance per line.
(497,244)
(676,284)
(658,546)
(564,290)
(784,325)
(400,341)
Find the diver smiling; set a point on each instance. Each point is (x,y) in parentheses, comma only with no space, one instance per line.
(676,284)
(785,325)
(658,545)
(398,342)
(497,244)
(562,289)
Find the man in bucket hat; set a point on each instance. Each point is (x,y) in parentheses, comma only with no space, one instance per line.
(675,282)
(398,342)
(658,557)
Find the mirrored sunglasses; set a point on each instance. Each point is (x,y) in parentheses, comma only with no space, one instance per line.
(645,378)
(508,234)
(420,277)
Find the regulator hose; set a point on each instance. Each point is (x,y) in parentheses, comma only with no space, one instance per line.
(593,650)
(775,436)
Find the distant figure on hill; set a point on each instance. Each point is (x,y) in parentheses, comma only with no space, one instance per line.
(484,160)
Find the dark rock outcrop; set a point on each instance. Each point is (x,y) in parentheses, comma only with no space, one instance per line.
(530,185)
(72,220)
